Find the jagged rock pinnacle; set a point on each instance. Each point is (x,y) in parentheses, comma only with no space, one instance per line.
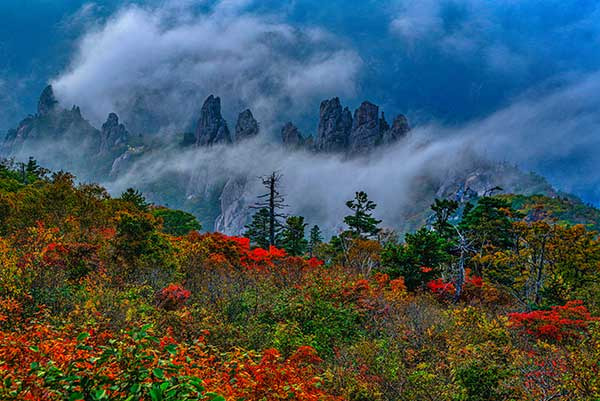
(212,127)
(246,127)
(47,102)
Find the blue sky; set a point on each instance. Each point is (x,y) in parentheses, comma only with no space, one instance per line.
(446,62)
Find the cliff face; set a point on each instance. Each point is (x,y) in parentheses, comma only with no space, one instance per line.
(335,124)
(341,132)
(291,136)
(246,126)
(212,128)
(366,129)
(113,134)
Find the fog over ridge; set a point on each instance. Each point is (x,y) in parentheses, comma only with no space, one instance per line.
(155,62)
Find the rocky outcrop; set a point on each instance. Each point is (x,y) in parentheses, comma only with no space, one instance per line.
(366,129)
(335,124)
(234,202)
(341,132)
(49,126)
(212,128)
(61,139)
(291,137)
(47,102)
(246,126)
(398,130)
(124,162)
(113,134)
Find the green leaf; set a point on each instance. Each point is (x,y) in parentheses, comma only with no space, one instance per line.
(171,349)
(82,336)
(158,373)
(135,388)
(34,348)
(155,394)
(76,397)
(100,394)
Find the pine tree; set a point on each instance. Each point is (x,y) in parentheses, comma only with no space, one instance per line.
(362,223)
(292,236)
(444,209)
(136,198)
(316,238)
(258,229)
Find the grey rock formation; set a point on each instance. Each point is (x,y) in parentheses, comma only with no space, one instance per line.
(291,137)
(60,139)
(246,126)
(399,129)
(383,124)
(366,129)
(113,134)
(234,202)
(47,102)
(51,123)
(335,124)
(124,162)
(212,127)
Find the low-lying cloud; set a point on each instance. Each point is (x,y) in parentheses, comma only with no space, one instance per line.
(160,63)
(540,132)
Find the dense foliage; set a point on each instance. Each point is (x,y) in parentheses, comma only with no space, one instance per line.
(112,298)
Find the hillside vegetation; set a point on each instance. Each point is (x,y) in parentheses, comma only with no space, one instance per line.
(112,298)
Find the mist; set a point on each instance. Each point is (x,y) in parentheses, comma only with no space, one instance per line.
(538,132)
(480,83)
(160,63)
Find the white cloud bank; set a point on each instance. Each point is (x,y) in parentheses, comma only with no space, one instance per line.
(167,60)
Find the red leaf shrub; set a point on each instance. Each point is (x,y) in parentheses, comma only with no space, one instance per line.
(558,323)
(173,296)
(444,288)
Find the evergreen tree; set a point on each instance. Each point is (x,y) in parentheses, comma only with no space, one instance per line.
(316,238)
(258,229)
(421,258)
(136,198)
(362,223)
(444,209)
(177,222)
(489,223)
(32,167)
(292,236)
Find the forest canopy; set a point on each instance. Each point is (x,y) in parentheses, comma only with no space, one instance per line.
(113,298)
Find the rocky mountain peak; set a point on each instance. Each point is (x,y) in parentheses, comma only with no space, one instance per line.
(290,136)
(399,129)
(246,126)
(335,124)
(340,131)
(47,102)
(212,127)
(113,133)
(366,130)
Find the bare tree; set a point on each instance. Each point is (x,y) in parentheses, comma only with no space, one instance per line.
(273,201)
(464,247)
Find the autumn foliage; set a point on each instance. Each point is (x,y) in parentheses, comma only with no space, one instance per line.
(98,301)
(560,322)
